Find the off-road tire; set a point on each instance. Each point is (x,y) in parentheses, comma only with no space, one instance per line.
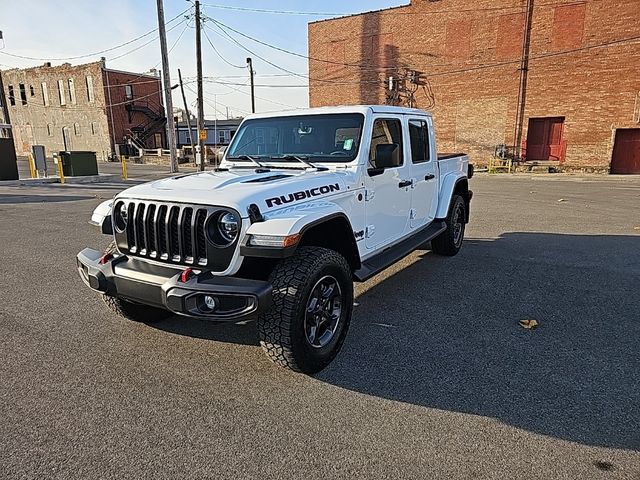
(282,328)
(129,310)
(449,242)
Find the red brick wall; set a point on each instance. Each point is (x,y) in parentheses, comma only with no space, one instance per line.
(468,52)
(146,90)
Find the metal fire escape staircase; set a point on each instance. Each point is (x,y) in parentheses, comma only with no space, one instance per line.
(155,123)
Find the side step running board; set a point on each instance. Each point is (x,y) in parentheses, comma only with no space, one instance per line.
(391,255)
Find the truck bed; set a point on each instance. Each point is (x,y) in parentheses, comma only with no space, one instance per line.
(453,162)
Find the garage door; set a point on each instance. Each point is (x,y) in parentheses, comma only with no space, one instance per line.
(626,151)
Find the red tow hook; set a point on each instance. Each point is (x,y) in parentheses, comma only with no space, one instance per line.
(186,274)
(105,258)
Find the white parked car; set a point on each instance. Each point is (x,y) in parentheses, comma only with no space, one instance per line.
(303,204)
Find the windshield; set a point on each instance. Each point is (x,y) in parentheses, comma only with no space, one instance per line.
(318,138)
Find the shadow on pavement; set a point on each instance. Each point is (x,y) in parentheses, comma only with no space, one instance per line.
(444,333)
(18,199)
(220,332)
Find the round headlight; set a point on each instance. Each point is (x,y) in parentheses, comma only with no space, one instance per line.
(228,226)
(121,216)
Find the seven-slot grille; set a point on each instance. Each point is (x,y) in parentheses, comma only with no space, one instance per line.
(172,233)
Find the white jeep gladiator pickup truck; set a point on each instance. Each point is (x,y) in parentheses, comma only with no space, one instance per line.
(303,204)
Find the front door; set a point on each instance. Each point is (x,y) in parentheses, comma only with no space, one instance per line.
(424,173)
(388,195)
(544,139)
(626,151)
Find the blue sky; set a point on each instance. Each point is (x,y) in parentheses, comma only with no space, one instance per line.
(72,28)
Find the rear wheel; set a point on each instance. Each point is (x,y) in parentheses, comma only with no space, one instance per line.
(449,242)
(312,304)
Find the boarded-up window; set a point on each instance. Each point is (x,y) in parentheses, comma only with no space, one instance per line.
(335,57)
(568,27)
(510,36)
(458,42)
(383,52)
(45,94)
(61,94)
(90,89)
(72,91)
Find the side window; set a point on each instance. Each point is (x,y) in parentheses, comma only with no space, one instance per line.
(419,135)
(386,131)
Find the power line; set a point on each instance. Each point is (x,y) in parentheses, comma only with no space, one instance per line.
(300,75)
(388,11)
(94,54)
(219,54)
(150,42)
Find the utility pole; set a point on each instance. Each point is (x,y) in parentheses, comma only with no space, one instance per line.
(524,73)
(201,126)
(171,131)
(186,112)
(253,95)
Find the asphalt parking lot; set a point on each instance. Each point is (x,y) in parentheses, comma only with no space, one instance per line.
(436,378)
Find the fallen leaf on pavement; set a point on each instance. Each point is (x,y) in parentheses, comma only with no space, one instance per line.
(528,324)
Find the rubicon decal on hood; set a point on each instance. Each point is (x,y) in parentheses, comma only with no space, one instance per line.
(301,195)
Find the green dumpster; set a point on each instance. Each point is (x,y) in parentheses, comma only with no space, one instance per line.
(79,164)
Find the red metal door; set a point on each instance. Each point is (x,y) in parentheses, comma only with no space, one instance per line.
(626,151)
(544,139)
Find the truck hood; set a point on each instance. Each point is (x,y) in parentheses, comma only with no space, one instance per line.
(239,188)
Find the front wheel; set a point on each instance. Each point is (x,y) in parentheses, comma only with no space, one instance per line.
(449,242)
(312,304)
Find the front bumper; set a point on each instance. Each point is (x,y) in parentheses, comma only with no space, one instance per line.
(236,299)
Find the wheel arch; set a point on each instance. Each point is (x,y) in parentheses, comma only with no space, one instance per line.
(453,185)
(335,233)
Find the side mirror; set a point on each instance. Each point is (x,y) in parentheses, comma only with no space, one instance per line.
(387,156)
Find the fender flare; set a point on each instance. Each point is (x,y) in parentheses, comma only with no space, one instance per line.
(292,221)
(101,217)
(447,187)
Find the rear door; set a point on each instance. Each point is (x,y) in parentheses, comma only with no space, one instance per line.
(424,171)
(388,196)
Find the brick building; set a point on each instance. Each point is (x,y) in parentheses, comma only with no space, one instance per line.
(462,59)
(84,107)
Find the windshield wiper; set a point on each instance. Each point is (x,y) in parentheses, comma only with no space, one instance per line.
(300,159)
(247,157)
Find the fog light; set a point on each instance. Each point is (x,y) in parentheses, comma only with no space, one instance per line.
(210,302)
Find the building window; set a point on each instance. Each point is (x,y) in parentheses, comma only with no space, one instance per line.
(72,91)
(12,96)
(76,128)
(49,129)
(568,26)
(45,94)
(90,89)
(61,95)
(221,136)
(128,92)
(32,91)
(94,128)
(23,94)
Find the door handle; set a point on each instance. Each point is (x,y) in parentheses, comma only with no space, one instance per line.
(429,177)
(405,183)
